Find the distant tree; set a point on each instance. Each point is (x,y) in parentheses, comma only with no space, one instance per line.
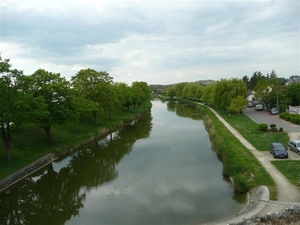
(56,93)
(17,105)
(255,78)
(179,88)
(143,91)
(247,81)
(208,93)
(171,92)
(109,99)
(227,90)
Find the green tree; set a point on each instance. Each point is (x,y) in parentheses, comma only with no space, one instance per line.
(179,88)
(237,104)
(56,93)
(89,84)
(255,78)
(208,93)
(171,92)
(227,90)
(124,94)
(293,93)
(16,103)
(143,91)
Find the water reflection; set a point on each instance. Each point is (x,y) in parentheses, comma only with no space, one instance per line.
(158,170)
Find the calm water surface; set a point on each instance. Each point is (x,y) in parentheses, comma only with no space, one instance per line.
(160,169)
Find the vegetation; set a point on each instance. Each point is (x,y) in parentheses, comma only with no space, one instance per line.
(290,169)
(48,101)
(250,130)
(239,164)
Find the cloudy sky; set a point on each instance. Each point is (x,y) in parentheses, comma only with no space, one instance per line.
(157,41)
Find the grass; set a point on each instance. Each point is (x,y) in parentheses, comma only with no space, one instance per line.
(29,142)
(290,169)
(249,129)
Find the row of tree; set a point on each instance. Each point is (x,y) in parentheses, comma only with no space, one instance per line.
(46,98)
(231,94)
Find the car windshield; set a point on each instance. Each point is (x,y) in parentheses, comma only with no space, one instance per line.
(279,148)
(280,151)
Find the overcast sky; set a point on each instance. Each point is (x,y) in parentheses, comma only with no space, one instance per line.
(156,41)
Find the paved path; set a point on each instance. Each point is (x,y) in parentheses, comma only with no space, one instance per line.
(288,194)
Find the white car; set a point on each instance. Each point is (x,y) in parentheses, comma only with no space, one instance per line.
(294,145)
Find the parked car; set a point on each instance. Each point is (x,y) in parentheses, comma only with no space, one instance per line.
(273,111)
(250,104)
(278,150)
(259,107)
(294,145)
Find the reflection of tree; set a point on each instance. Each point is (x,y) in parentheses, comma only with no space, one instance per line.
(184,111)
(52,197)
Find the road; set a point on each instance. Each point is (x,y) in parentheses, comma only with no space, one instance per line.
(265,117)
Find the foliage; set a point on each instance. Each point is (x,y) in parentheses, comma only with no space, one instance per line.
(239,164)
(249,129)
(143,91)
(227,90)
(237,104)
(17,104)
(179,89)
(294,118)
(263,127)
(56,94)
(171,92)
(292,92)
(208,94)
(89,84)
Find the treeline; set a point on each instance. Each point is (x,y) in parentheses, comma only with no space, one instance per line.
(231,94)
(46,99)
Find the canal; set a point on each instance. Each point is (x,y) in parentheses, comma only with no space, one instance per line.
(160,169)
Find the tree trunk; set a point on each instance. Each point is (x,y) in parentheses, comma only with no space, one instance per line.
(95,116)
(6,137)
(47,131)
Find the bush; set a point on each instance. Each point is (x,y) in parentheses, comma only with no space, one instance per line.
(274,129)
(263,127)
(272,125)
(280,129)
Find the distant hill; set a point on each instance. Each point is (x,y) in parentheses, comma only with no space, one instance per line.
(162,87)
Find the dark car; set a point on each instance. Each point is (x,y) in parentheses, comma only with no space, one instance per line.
(278,150)
(273,111)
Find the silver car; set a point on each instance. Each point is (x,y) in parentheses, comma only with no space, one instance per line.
(294,145)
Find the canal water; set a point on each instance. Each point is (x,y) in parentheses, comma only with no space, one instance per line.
(161,169)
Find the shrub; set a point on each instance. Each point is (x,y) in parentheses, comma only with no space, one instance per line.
(280,129)
(263,127)
(272,125)
(274,129)
(283,115)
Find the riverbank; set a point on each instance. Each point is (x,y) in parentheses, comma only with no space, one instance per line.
(27,160)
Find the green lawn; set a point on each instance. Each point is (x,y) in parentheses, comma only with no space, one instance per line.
(290,169)
(249,129)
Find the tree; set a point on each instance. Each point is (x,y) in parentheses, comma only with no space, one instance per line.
(56,94)
(16,103)
(208,93)
(293,93)
(124,94)
(143,91)
(171,92)
(255,78)
(227,90)
(237,104)
(179,88)
(89,84)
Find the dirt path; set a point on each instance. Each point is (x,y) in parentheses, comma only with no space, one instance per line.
(287,192)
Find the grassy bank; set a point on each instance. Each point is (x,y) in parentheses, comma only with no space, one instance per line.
(239,164)
(30,143)
(249,129)
(262,141)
